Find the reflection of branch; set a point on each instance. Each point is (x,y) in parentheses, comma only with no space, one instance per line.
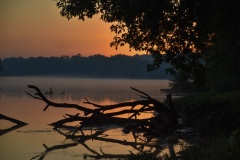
(96,136)
(124,142)
(139,146)
(97,121)
(50,149)
(90,149)
(97,155)
(4,131)
(18,123)
(107,156)
(12,120)
(76,142)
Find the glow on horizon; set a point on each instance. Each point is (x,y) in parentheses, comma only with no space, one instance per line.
(31,28)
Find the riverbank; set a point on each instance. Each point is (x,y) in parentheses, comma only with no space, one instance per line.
(215,117)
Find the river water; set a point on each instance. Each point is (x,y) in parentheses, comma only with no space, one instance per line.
(28,142)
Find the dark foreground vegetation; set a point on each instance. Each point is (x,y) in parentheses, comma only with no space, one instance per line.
(216,121)
(216,117)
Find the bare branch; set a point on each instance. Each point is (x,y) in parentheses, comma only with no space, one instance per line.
(166,117)
(147,96)
(53,104)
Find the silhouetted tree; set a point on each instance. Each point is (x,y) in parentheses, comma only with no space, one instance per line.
(194,36)
(1,67)
(97,66)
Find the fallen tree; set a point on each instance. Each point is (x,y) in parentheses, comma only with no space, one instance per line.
(163,124)
(144,130)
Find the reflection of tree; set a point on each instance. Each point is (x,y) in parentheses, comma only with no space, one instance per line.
(50,149)
(139,144)
(143,130)
(18,123)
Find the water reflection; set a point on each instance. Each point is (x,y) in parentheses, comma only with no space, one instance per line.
(130,144)
(136,143)
(146,126)
(15,103)
(17,124)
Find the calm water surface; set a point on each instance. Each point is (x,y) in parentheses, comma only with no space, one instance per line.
(27,142)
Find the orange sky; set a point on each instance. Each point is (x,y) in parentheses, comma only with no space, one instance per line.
(35,28)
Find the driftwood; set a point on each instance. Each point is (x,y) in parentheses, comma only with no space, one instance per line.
(164,123)
(18,124)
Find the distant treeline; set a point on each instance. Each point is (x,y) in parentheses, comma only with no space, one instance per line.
(97,66)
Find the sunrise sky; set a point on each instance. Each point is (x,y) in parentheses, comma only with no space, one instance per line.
(31,28)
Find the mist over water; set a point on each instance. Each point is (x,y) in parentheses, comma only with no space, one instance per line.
(77,88)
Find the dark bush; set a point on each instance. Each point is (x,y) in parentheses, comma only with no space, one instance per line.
(210,113)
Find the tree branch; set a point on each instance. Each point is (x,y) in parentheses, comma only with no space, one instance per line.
(40,96)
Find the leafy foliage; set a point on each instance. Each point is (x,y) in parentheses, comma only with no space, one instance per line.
(194,36)
(216,116)
(166,29)
(218,148)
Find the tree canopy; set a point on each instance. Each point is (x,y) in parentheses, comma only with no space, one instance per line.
(194,36)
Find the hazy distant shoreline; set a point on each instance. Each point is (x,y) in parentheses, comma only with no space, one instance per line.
(97,66)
